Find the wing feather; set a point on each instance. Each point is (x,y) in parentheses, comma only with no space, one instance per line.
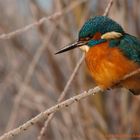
(130,46)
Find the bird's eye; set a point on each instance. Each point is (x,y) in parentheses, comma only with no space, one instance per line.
(86,38)
(90,36)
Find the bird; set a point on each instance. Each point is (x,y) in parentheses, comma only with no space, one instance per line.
(110,53)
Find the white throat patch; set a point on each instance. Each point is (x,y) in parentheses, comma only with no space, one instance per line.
(84,48)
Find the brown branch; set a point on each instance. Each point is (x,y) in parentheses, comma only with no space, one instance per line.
(22,87)
(66,103)
(42,20)
(45,114)
(108,8)
(31,68)
(62,96)
(129,75)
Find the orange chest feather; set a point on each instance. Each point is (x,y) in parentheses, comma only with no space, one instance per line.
(108,65)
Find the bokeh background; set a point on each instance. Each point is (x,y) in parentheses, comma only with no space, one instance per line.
(32,77)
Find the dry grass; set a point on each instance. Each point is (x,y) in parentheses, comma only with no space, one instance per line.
(32,78)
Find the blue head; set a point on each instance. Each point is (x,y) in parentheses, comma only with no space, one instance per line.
(95,31)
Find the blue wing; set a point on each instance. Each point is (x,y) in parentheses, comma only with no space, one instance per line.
(130,46)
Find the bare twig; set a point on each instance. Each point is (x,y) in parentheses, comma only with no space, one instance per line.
(71,78)
(108,8)
(66,103)
(45,114)
(32,67)
(129,75)
(22,88)
(39,22)
(44,129)
(62,96)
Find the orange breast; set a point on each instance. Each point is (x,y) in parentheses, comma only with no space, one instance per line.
(108,65)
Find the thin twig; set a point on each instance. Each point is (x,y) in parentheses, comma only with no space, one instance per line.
(71,78)
(63,94)
(39,22)
(32,66)
(66,103)
(45,114)
(108,8)
(129,75)
(22,88)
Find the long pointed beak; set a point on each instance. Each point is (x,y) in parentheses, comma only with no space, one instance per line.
(72,46)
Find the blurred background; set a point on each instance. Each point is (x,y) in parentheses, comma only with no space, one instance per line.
(32,77)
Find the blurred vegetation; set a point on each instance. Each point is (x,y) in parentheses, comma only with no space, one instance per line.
(116,112)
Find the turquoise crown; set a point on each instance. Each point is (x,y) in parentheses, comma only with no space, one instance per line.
(101,24)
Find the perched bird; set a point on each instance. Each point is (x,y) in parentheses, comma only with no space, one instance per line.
(110,53)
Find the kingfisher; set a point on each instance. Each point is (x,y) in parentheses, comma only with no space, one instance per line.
(110,53)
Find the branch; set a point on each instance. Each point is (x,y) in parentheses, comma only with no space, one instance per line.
(108,8)
(130,75)
(64,104)
(28,76)
(42,20)
(45,114)
(61,97)
(32,65)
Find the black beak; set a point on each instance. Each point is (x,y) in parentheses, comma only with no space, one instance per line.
(72,46)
